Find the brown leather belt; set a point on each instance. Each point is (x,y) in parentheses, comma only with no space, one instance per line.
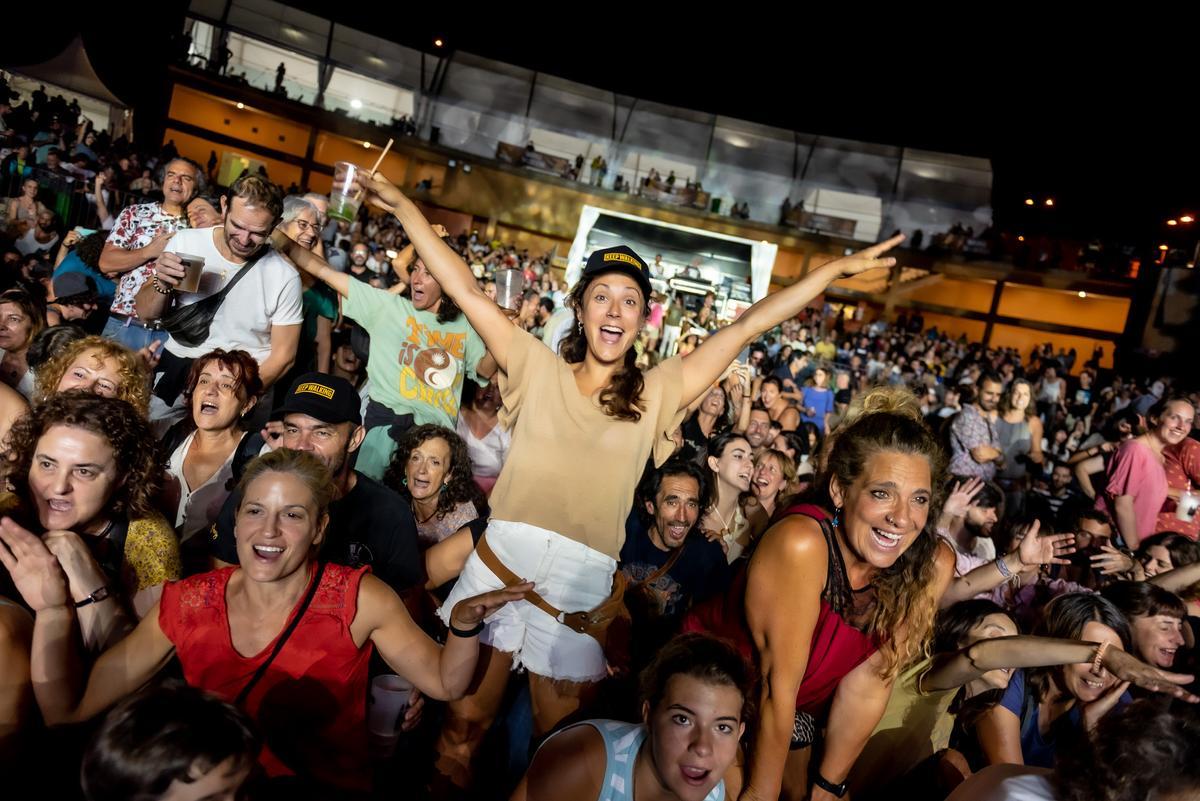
(592,622)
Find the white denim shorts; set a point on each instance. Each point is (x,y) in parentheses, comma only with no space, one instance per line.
(568,574)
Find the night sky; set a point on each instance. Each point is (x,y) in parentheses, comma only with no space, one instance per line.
(1100,120)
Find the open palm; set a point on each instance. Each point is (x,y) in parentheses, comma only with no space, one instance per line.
(34,570)
(868,258)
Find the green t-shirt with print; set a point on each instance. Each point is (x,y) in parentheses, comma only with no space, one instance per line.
(416,364)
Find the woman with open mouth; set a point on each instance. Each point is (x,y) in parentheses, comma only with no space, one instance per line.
(85,476)
(431,470)
(286,638)
(832,605)
(221,389)
(580,419)
(731,463)
(694,697)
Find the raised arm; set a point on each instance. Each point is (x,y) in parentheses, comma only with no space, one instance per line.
(311,263)
(703,365)
(1035,549)
(441,672)
(949,671)
(1178,579)
(451,272)
(783,598)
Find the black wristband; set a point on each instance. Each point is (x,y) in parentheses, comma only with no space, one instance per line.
(466,633)
(838,790)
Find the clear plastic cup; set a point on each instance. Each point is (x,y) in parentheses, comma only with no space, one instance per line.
(343,198)
(509,286)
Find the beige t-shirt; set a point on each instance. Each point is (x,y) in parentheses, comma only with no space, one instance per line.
(572,469)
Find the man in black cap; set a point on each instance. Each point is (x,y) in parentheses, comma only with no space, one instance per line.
(369,524)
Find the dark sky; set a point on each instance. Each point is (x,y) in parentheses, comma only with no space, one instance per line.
(1100,120)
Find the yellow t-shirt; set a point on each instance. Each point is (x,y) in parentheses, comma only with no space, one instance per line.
(151,554)
(914,726)
(572,469)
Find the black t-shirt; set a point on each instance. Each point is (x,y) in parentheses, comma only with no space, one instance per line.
(699,572)
(371,525)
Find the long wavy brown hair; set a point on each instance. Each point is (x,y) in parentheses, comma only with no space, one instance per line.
(134,380)
(622,398)
(134,446)
(461,487)
(905,592)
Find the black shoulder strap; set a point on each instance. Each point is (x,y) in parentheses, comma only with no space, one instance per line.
(283,638)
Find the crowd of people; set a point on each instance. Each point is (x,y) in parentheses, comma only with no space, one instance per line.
(292,501)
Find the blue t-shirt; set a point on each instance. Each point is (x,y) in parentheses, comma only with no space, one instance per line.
(1038,750)
(105,286)
(820,400)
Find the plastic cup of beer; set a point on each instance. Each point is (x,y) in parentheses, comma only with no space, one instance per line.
(343,199)
(195,267)
(509,286)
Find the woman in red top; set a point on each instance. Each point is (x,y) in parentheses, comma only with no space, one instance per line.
(833,608)
(224,625)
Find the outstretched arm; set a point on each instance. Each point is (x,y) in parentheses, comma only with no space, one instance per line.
(704,365)
(1023,651)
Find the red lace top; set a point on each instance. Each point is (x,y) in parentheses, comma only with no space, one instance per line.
(838,644)
(311,704)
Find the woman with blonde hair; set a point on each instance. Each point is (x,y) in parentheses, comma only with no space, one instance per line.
(100,366)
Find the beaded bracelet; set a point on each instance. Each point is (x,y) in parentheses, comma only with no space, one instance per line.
(157,286)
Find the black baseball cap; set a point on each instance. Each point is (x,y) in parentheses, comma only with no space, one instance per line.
(620,259)
(323,397)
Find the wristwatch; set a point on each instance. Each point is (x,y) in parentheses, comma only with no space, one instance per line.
(837,789)
(95,598)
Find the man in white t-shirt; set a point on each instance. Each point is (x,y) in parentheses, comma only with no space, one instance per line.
(262,314)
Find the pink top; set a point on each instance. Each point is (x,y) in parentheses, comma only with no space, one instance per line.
(1135,470)
(656,315)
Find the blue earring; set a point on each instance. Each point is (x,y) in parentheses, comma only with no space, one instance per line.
(837,516)
(404,481)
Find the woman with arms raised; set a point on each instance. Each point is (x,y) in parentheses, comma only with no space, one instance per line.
(579,421)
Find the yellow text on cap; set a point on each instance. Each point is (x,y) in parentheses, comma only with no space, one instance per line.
(315,389)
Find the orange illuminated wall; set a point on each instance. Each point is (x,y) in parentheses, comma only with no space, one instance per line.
(214,114)
(953,326)
(198,149)
(536,243)
(1025,339)
(788,264)
(331,148)
(957,294)
(1098,312)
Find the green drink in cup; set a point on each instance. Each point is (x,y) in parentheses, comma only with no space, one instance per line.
(344,201)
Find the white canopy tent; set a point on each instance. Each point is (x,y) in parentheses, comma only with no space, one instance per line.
(71,74)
